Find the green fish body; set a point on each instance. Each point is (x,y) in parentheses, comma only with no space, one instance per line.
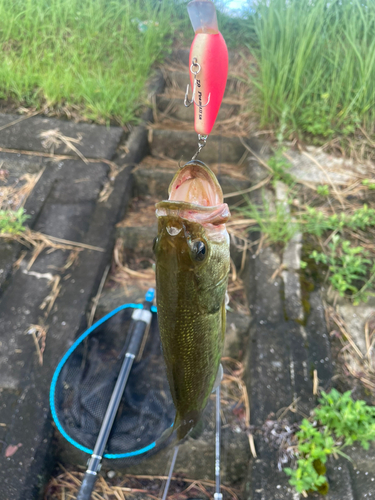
(192,266)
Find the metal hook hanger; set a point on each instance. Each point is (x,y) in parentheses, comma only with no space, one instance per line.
(188,102)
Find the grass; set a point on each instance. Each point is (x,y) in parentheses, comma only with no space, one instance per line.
(338,422)
(316,63)
(12,222)
(273,221)
(94,55)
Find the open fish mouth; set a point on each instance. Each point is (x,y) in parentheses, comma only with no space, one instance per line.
(196,183)
(195,195)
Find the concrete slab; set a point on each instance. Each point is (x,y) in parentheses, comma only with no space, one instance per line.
(23,474)
(17,166)
(97,141)
(182,145)
(340,171)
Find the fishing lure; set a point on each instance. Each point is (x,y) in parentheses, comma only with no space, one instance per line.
(208,62)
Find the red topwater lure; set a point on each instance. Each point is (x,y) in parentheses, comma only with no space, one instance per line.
(208,68)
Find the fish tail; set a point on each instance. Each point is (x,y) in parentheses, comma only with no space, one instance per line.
(181,428)
(168,433)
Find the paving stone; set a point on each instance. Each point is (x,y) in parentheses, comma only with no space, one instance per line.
(236,335)
(77,181)
(292,253)
(355,318)
(362,471)
(292,295)
(17,166)
(339,170)
(263,294)
(8,254)
(265,481)
(138,239)
(97,141)
(340,482)
(319,347)
(182,145)
(19,309)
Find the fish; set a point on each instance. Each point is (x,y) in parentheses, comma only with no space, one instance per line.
(192,254)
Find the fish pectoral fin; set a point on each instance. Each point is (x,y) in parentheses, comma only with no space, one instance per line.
(219,378)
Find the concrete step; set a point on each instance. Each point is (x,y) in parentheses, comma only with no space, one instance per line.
(64,204)
(175,108)
(181,145)
(94,141)
(154,180)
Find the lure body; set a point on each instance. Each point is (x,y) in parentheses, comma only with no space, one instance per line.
(211,53)
(192,266)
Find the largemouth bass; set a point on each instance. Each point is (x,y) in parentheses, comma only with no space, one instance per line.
(192,266)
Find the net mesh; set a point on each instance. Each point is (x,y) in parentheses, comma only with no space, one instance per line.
(86,381)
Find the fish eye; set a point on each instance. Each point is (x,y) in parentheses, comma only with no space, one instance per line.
(199,250)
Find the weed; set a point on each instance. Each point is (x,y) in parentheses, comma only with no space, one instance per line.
(12,222)
(348,266)
(279,166)
(323,190)
(368,183)
(316,222)
(276,222)
(349,420)
(339,421)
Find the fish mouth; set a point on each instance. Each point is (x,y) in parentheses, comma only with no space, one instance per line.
(195,195)
(195,183)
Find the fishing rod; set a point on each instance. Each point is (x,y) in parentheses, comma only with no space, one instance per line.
(141,320)
(217,495)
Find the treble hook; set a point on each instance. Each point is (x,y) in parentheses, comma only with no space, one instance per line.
(188,102)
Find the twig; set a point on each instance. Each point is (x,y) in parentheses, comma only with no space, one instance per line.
(262,162)
(95,301)
(315,383)
(253,188)
(111,164)
(3,127)
(33,236)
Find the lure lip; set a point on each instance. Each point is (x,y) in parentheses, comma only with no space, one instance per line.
(203,17)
